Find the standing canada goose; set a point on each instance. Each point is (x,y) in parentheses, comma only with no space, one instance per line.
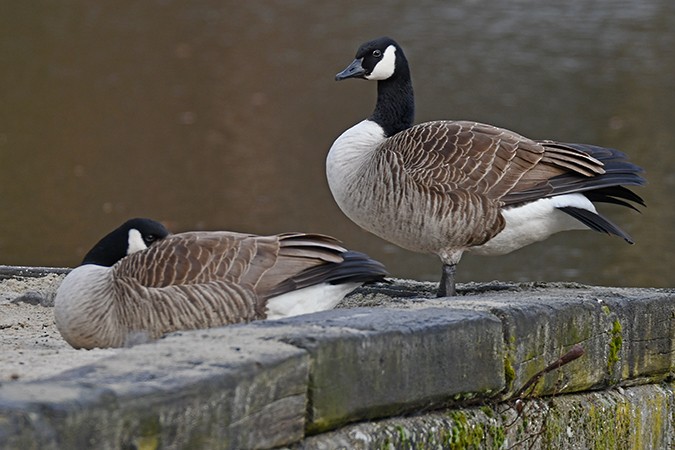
(140,282)
(446,187)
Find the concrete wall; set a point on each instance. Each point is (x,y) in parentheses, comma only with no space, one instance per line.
(405,371)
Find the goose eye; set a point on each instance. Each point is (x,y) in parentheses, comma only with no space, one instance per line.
(377,53)
(150,238)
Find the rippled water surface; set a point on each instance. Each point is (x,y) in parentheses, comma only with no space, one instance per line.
(219,115)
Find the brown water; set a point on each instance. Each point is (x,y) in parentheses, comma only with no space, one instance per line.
(219,115)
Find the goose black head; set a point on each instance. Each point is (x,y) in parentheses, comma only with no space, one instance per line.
(379,59)
(132,236)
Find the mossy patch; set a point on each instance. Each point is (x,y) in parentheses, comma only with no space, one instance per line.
(488,411)
(465,435)
(498,435)
(509,372)
(402,435)
(615,343)
(147,443)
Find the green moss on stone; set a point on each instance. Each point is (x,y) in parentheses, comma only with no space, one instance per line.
(147,443)
(654,406)
(615,344)
(464,434)
(430,441)
(149,429)
(402,435)
(509,371)
(498,435)
(623,416)
(552,426)
(488,411)
(446,437)
(386,444)
(608,426)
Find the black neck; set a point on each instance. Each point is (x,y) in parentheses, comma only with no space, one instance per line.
(108,250)
(395,108)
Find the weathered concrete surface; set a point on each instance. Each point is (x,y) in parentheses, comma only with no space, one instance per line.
(628,334)
(381,362)
(639,417)
(400,352)
(190,391)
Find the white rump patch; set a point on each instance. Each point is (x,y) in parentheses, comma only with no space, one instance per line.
(385,68)
(311,299)
(136,242)
(534,222)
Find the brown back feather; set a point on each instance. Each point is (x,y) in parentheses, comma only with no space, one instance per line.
(205,279)
(460,156)
(463,157)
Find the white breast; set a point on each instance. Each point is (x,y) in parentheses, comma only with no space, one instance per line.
(350,152)
(81,300)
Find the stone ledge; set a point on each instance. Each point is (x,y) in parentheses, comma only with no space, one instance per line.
(182,392)
(376,362)
(269,384)
(628,334)
(631,418)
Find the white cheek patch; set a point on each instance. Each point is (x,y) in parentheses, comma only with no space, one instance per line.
(385,68)
(136,242)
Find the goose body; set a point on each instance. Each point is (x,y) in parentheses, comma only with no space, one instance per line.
(199,280)
(446,187)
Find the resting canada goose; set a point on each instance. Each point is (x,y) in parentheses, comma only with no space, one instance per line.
(446,187)
(140,282)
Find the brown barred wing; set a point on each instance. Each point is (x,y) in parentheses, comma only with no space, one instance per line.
(446,156)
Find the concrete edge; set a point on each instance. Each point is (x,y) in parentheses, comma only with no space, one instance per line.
(348,365)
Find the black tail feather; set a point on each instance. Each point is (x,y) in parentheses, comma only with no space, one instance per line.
(608,187)
(596,222)
(617,195)
(355,267)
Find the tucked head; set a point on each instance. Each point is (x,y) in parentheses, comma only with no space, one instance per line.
(132,236)
(379,59)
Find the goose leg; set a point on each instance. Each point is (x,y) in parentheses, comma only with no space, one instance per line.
(446,288)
